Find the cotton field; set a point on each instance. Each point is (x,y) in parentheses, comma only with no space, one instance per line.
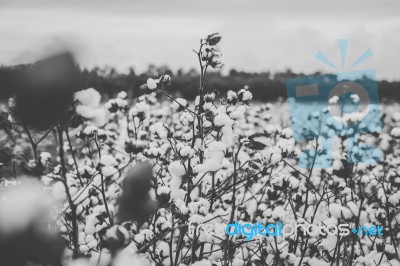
(120,182)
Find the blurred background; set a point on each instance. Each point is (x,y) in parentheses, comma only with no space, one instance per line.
(118,44)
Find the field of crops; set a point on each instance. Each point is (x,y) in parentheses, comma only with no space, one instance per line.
(127,181)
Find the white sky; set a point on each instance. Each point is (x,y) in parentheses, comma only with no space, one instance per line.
(257,35)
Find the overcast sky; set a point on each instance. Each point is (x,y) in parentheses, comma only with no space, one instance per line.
(257,35)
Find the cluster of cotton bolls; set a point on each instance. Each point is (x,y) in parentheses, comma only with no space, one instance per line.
(155,180)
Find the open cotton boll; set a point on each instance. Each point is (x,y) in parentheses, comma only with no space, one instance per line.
(395,132)
(186,118)
(214,155)
(58,191)
(336,210)
(108,160)
(236,115)
(140,109)
(227,135)
(187,152)
(151,84)
(162,249)
(45,157)
(108,171)
(22,205)
(89,107)
(85,111)
(231,97)
(395,198)
(179,104)
(176,170)
(124,259)
(99,117)
(221,120)
(225,122)
(272,154)
(80,262)
(346,213)
(89,97)
(286,133)
(25,234)
(159,130)
(202,263)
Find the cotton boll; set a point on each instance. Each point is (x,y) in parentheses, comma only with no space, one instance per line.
(347,214)
(202,263)
(176,168)
(286,133)
(245,96)
(108,160)
(58,191)
(276,158)
(207,124)
(221,120)
(151,84)
(25,213)
(208,107)
(116,238)
(329,243)
(124,259)
(80,262)
(335,210)
(162,249)
(90,228)
(92,244)
(22,205)
(272,154)
(179,104)
(186,119)
(214,154)
(236,115)
(395,198)
(227,135)
(99,117)
(395,132)
(89,97)
(353,208)
(251,207)
(334,99)
(83,249)
(188,136)
(186,152)
(243,157)
(231,97)
(159,130)
(109,171)
(89,107)
(241,109)
(45,157)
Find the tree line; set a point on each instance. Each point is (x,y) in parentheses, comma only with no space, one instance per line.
(265,86)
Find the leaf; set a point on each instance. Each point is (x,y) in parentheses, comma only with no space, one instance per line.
(258,141)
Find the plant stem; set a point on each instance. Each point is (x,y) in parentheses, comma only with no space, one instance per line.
(33,144)
(73,156)
(69,198)
(103,189)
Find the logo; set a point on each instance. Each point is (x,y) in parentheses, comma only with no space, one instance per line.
(343,105)
(249,231)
